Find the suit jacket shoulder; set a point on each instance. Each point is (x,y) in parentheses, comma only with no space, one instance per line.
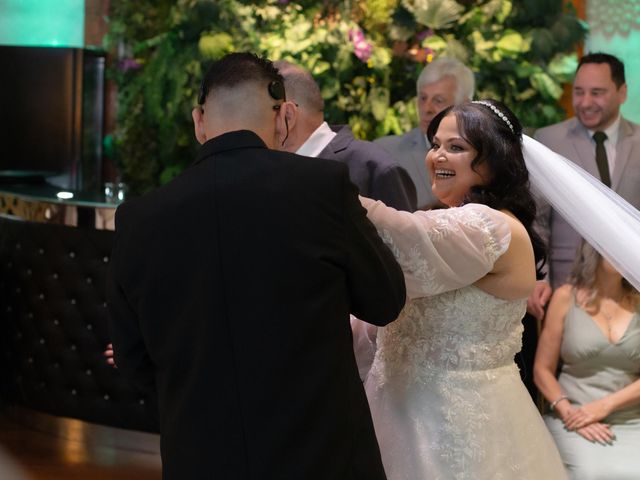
(554,133)
(372,169)
(410,151)
(399,143)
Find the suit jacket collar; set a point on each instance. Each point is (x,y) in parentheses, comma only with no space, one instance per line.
(626,149)
(344,137)
(577,129)
(419,138)
(229,141)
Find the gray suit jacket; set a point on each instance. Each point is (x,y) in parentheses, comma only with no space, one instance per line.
(376,174)
(410,150)
(571,140)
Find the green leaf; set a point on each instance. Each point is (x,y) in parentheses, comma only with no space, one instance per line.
(435,43)
(379,101)
(563,67)
(380,57)
(330,88)
(512,42)
(480,44)
(542,82)
(526,94)
(501,9)
(215,46)
(525,69)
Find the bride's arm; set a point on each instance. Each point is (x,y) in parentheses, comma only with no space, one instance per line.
(441,250)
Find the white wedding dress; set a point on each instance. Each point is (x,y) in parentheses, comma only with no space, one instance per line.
(445,395)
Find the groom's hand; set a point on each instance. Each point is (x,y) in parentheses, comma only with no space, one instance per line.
(538,299)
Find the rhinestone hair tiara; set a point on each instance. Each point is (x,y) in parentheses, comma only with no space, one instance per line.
(497,111)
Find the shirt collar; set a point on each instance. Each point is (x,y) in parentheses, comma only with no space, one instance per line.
(317,141)
(612,131)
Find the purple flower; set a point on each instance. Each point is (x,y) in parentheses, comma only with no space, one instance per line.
(129,64)
(361,48)
(424,34)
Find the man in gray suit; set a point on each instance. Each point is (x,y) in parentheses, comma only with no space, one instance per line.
(376,174)
(442,83)
(599,89)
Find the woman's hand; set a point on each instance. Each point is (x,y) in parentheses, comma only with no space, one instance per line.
(586,415)
(597,432)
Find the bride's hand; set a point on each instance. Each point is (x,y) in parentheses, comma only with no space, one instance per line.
(538,299)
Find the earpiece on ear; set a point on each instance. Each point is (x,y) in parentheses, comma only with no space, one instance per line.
(276,90)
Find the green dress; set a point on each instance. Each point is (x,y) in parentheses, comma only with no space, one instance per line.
(594,367)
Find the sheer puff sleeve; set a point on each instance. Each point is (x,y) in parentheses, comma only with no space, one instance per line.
(441,250)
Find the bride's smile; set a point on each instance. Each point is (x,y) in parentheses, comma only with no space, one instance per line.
(449,162)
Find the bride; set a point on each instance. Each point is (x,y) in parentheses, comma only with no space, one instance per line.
(446,397)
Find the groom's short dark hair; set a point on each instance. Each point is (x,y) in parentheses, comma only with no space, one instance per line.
(235,69)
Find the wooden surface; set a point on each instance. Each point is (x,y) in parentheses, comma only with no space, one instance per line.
(77,451)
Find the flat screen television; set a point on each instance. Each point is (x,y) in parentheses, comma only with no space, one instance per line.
(51,115)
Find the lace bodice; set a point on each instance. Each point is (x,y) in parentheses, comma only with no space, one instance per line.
(463,330)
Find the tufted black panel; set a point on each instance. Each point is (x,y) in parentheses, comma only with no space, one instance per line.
(53,326)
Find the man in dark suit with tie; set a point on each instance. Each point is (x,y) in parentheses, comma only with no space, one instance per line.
(599,140)
(371,168)
(230,290)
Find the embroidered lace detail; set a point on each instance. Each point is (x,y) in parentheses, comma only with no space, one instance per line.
(449,351)
(444,225)
(467,331)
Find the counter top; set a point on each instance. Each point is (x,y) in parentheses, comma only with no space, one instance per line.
(43,203)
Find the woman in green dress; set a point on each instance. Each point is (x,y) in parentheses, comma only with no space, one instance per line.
(593,328)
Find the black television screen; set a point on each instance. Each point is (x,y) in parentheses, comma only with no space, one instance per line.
(41,111)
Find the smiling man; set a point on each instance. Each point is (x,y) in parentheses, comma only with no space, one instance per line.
(599,140)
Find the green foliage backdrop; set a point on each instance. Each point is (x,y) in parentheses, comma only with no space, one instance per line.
(365,54)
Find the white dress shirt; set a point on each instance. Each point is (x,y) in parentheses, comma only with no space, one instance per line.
(317,141)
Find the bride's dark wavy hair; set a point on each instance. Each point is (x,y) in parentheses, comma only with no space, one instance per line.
(499,146)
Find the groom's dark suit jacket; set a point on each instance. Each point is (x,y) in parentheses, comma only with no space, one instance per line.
(230,289)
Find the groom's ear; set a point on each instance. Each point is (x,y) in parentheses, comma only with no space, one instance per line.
(291,113)
(197,114)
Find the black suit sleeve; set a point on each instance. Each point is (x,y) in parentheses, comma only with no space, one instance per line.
(375,280)
(130,352)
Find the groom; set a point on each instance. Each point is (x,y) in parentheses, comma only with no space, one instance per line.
(230,290)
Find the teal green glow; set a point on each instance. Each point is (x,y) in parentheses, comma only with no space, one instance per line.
(46,23)
(626,49)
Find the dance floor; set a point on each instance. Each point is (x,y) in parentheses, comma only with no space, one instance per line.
(41,447)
